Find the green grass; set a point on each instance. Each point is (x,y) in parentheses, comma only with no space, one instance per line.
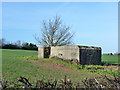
(96,69)
(16,63)
(110,59)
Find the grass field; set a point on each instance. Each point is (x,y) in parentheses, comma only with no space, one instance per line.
(16,63)
(110,59)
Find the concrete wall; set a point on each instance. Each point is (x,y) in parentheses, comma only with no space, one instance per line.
(40,52)
(84,54)
(90,56)
(65,52)
(43,52)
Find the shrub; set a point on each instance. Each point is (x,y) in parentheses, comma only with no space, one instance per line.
(95,83)
(10,46)
(28,46)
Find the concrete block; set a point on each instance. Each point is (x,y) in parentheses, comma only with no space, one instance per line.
(83,54)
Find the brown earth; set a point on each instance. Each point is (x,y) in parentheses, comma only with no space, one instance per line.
(112,67)
(54,66)
(64,70)
(61,67)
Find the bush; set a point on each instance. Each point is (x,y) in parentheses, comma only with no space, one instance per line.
(10,46)
(28,46)
(17,45)
(95,83)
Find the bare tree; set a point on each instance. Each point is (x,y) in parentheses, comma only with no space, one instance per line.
(18,43)
(54,33)
(2,42)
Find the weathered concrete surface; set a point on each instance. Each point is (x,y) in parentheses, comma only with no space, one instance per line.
(84,54)
(40,52)
(43,52)
(65,52)
(90,55)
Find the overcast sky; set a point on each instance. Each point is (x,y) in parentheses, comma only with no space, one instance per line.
(94,24)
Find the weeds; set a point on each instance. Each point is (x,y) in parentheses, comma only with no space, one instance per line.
(98,83)
(98,69)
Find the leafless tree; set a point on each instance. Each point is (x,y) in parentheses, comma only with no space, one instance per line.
(54,33)
(2,42)
(18,43)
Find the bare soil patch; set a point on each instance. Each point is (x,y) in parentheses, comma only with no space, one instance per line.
(54,66)
(112,67)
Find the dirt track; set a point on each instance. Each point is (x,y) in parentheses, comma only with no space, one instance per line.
(60,67)
(54,66)
(112,67)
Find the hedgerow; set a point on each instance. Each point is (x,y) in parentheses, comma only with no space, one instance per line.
(98,83)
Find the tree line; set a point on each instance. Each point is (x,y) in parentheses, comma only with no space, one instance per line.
(53,33)
(17,45)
